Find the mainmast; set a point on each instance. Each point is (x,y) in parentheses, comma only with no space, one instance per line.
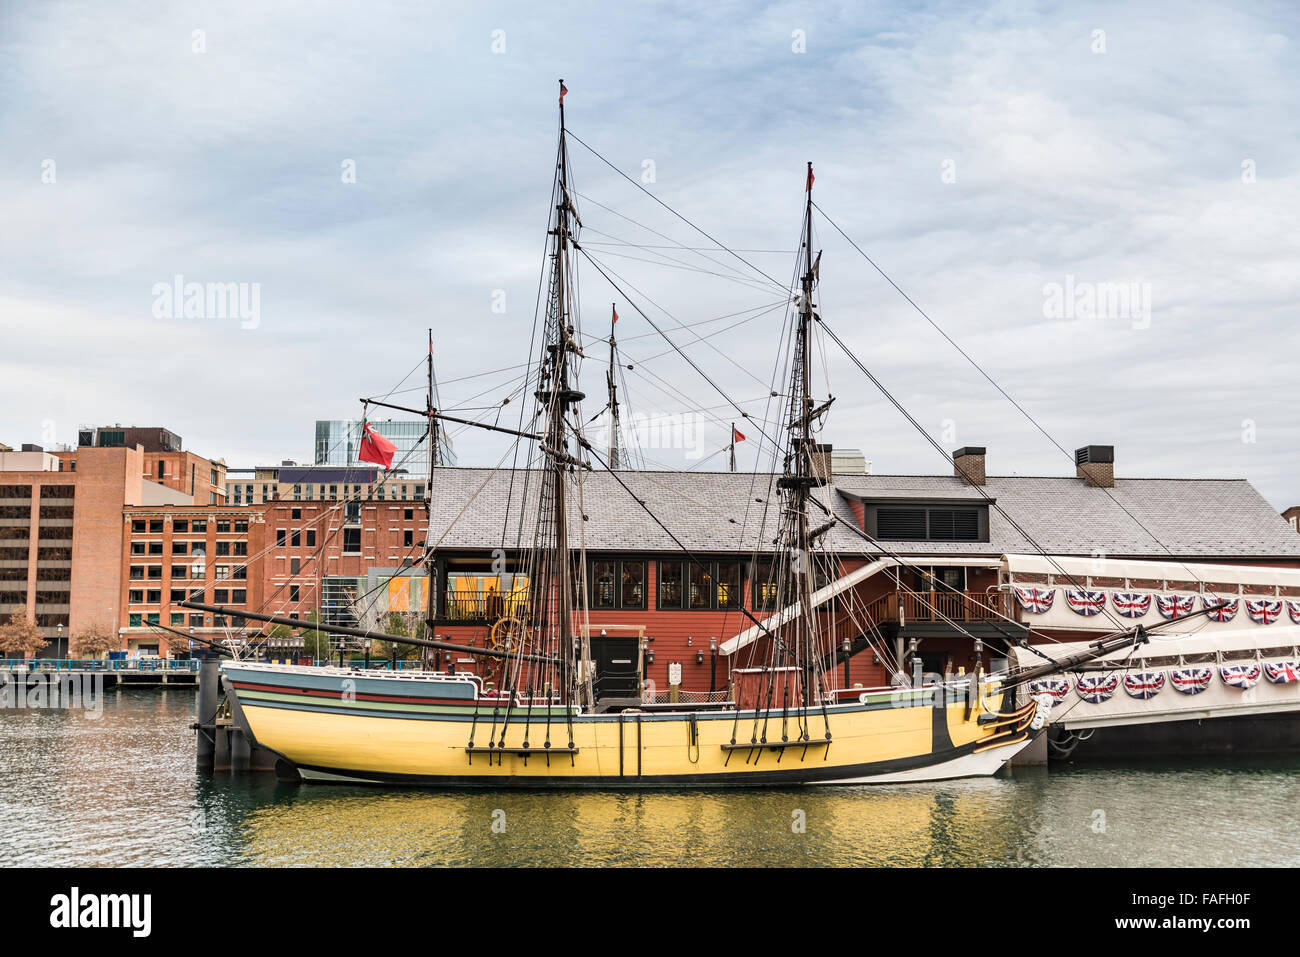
(801,477)
(557,394)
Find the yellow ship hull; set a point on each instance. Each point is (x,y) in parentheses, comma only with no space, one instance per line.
(407,732)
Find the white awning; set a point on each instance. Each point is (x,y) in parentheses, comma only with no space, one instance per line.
(1207,642)
(1172,570)
(826,593)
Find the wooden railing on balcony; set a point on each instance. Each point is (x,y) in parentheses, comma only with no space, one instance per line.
(936,605)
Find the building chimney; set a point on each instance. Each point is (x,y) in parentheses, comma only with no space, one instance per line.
(968,464)
(1096,464)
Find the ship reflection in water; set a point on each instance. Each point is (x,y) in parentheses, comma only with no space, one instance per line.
(122,790)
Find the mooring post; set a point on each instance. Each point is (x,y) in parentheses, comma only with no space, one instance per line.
(240,751)
(209,683)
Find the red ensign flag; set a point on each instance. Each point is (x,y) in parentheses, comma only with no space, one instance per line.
(375,448)
(735,435)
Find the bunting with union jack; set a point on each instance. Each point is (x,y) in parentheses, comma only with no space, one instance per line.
(1131,604)
(1283,672)
(1096,688)
(1192,680)
(1144,684)
(1263,611)
(1057,687)
(1220,609)
(1084,602)
(1244,676)
(1036,600)
(1293,608)
(1175,606)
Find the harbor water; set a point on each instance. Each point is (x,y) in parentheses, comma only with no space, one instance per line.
(121,789)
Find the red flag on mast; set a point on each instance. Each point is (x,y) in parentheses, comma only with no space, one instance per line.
(375,448)
(563,90)
(810,180)
(735,435)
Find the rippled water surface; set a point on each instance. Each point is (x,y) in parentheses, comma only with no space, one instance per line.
(122,790)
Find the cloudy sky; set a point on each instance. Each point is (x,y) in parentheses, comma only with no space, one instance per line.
(1006,166)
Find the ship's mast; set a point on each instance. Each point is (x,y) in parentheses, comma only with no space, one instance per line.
(428,505)
(613,393)
(801,479)
(557,394)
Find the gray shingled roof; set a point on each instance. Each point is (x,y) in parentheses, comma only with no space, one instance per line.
(725,512)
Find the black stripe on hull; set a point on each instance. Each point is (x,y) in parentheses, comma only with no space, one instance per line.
(776,777)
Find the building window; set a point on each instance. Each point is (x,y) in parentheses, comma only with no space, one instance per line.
(221,596)
(408,513)
(700,585)
(137,572)
(223,526)
(293,593)
(180,571)
(294,566)
(241,528)
(153,596)
(155,526)
(295,539)
(155,548)
(138,526)
(177,596)
(196,621)
(222,572)
(280,537)
(241,548)
(223,548)
(200,525)
(295,512)
(135,596)
(352,541)
(311,538)
(180,525)
(178,619)
(927,523)
(160,468)
(180,548)
(238,596)
(408,538)
(136,620)
(616,584)
(155,572)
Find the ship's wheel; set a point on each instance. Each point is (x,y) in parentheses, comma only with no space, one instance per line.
(506,635)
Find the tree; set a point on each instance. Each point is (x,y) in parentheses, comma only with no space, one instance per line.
(94,640)
(404,624)
(315,643)
(21,636)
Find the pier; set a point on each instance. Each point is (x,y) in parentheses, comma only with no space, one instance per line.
(121,672)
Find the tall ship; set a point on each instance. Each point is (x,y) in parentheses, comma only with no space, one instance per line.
(554,692)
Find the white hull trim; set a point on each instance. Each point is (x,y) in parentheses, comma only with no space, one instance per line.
(983,764)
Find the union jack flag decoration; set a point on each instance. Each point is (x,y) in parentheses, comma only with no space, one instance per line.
(1131,604)
(1191,680)
(1096,688)
(1037,600)
(1144,684)
(1083,602)
(1293,607)
(1175,606)
(1240,676)
(1282,672)
(1262,611)
(1057,687)
(1220,609)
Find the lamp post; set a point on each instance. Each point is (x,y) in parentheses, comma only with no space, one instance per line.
(713,664)
(848,647)
(59,650)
